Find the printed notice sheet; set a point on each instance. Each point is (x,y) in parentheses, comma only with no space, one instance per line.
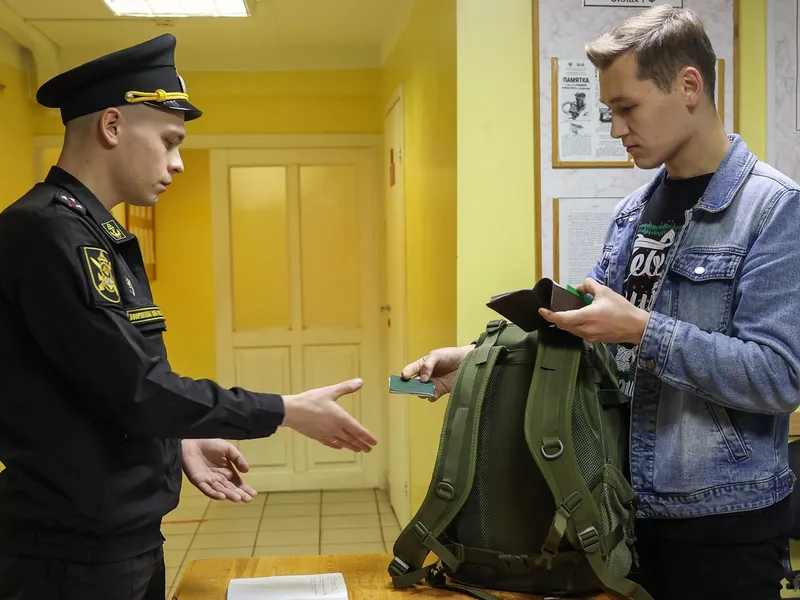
(580,229)
(581,122)
(330,586)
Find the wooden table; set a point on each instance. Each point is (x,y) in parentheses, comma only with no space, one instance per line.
(365,575)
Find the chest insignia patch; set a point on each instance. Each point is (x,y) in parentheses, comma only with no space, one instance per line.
(101,274)
(114,231)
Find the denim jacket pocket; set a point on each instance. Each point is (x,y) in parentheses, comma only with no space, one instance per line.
(703,285)
(730,434)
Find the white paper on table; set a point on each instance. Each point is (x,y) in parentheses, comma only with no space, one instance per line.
(289,587)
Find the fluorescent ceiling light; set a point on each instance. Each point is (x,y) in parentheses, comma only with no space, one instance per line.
(178,8)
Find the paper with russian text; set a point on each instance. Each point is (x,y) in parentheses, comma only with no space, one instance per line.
(330,586)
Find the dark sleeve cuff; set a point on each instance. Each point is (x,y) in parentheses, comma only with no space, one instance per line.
(267,415)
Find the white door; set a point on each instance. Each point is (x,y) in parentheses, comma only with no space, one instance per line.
(396,292)
(297,299)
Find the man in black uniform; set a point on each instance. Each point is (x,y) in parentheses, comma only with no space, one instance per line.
(92,417)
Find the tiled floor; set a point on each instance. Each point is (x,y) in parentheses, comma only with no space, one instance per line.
(277,524)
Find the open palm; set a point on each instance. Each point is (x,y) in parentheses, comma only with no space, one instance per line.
(213,467)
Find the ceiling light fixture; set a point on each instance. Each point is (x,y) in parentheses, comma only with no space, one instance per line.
(178,8)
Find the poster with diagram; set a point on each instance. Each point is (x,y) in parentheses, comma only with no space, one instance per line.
(583,136)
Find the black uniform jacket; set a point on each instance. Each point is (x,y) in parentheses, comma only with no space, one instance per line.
(91,414)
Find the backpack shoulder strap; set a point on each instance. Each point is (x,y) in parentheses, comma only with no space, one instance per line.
(454,469)
(548,431)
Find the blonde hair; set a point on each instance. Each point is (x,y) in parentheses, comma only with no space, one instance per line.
(663,40)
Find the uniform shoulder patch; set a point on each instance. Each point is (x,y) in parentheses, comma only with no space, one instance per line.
(101,274)
(70,202)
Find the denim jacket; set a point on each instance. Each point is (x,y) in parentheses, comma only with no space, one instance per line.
(718,369)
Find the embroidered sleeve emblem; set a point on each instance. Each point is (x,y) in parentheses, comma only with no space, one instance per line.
(101,274)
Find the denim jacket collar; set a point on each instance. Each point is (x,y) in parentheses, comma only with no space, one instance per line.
(733,171)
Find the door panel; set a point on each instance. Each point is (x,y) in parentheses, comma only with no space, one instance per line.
(298,299)
(329,251)
(324,364)
(258,230)
(266,369)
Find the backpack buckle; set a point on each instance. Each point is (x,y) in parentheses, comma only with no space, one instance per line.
(495,325)
(397,567)
(590,540)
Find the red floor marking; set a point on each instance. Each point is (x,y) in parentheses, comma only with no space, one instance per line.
(182,522)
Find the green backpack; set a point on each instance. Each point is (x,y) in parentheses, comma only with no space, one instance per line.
(528,493)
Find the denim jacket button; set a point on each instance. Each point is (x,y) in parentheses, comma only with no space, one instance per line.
(650,364)
(699,270)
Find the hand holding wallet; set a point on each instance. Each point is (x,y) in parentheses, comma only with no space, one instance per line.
(521,307)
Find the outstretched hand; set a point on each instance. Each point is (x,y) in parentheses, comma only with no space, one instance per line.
(610,318)
(213,467)
(316,415)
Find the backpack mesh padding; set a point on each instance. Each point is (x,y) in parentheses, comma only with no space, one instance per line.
(510,506)
(588,447)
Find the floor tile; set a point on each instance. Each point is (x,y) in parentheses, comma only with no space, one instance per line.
(273,523)
(349,508)
(389,520)
(382,495)
(259,500)
(288,538)
(350,521)
(366,548)
(189,528)
(348,496)
(172,575)
(174,559)
(391,533)
(200,554)
(385,508)
(291,510)
(190,492)
(177,542)
(294,498)
(347,536)
(229,525)
(234,512)
(198,498)
(186,513)
(224,540)
(305,550)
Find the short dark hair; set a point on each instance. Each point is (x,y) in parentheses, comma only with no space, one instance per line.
(664,40)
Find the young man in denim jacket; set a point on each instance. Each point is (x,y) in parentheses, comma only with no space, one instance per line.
(696,293)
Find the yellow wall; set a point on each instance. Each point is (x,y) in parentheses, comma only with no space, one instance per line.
(183,287)
(496,216)
(753,75)
(276,102)
(16,135)
(424,61)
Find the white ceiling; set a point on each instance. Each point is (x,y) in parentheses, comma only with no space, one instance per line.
(279,35)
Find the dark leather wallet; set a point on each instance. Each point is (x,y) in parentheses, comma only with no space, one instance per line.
(521,307)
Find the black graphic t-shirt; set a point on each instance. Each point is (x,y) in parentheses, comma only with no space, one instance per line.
(660,224)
